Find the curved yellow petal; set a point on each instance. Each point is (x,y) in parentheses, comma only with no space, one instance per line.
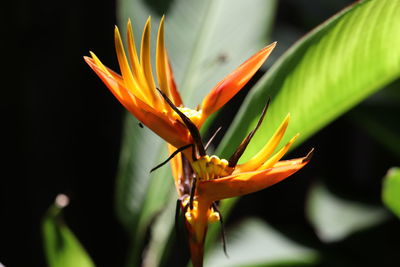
(161,61)
(130,82)
(145,55)
(275,158)
(235,81)
(255,162)
(113,81)
(132,52)
(98,62)
(137,68)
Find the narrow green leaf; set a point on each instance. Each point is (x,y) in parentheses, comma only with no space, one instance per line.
(323,75)
(61,247)
(253,243)
(391,190)
(140,150)
(160,234)
(336,218)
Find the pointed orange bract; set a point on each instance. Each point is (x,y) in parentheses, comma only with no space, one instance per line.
(170,130)
(229,86)
(245,183)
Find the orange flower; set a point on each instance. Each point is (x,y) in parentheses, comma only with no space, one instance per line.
(200,179)
(135,88)
(210,179)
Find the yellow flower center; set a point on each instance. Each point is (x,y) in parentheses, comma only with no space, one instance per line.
(192,114)
(209,168)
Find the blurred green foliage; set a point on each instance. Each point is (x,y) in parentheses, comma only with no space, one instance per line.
(321,77)
(61,246)
(391,190)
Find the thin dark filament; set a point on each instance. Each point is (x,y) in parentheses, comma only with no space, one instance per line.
(212,138)
(242,147)
(308,156)
(177,209)
(189,124)
(214,206)
(171,156)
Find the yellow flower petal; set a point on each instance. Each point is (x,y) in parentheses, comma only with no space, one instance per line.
(161,61)
(255,162)
(130,82)
(145,55)
(137,69)
(99,63)
(275,158)
(112,80)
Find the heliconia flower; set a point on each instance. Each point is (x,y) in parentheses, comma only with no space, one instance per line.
(206,179)
(135,88)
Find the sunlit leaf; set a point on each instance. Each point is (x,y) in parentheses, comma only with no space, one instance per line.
(340,63)
(254,243)
(336,218)
(334,67)
(62,248)
(391,190)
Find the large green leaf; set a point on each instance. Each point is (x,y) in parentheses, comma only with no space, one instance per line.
(323,75)
(391,190)
(336,218)
(334,67)
(61,247)
(205,40)
(254,243)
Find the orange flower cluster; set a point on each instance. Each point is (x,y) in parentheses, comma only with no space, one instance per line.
(200,179)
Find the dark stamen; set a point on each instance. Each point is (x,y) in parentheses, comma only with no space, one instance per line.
(212,138)
(192,191)
(177,209)
(215,207)
(140,125)
(171,156)
(308,156)
(189,124)
(242,147)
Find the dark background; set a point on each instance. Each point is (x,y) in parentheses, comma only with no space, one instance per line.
(62,135)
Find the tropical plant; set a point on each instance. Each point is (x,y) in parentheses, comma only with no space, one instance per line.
(322,76)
